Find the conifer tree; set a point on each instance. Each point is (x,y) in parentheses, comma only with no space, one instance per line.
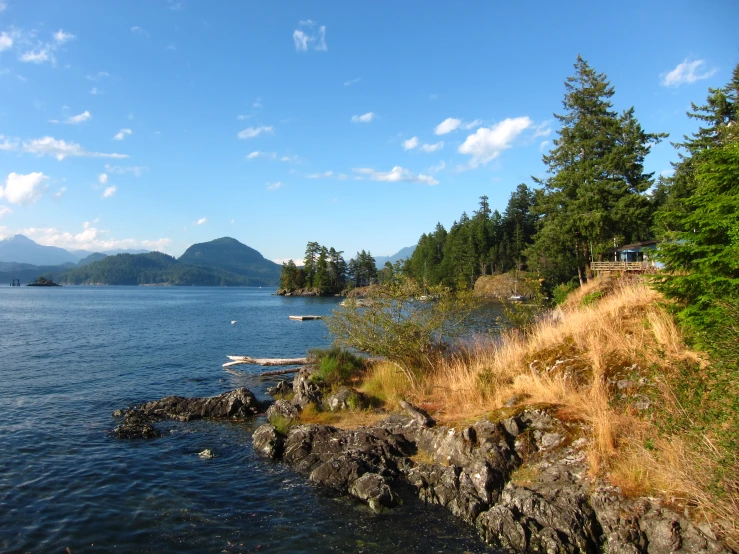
(595,196)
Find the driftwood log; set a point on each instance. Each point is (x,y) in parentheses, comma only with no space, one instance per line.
(239,360)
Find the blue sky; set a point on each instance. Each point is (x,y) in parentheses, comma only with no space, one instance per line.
(159,124)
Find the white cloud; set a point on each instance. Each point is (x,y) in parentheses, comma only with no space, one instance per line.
(24,189)
(140,31)
(324,175)
(364,118)
(410,144)
(95,91)
(109,191)
(395,175)
(447,126)
(257,104)
(4,210)
(137,170)
(438,167)
(472,124)
(3,5)
(120,135)
(251,132)
(201,221)
(543,129)
(49,146)
(257,154)
(310,38)
(91,238)
(6,144)
(100,75)
(61,37)
(60,192)
(103,179)
(433,147)
(6,41)
(79,118)
(41,55)
(487,143)
(242,117)
(686,73)
(544,145)
(351,82)
(296,260)
(274,186)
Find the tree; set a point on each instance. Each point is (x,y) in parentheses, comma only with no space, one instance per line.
(595,195)
(401,322)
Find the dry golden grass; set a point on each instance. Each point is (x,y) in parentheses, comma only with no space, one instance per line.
(573,359)
(342,420)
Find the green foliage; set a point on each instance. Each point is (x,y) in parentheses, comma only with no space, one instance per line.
(403,321)
(561,291)
(281,423)
(336,366)
(591,298)
(595,196)
(323,269)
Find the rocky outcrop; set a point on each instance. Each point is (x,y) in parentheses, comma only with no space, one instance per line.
(137,422)
(306,389)
(522,482)
(347,399)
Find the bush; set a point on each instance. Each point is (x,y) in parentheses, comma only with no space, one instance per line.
(336,366)
(561,291)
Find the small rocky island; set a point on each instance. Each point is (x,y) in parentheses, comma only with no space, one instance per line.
(520,477)
(43,282)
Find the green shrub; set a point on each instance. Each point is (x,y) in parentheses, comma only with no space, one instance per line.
(561,291)
(281,423)
(591,298)
(335,365)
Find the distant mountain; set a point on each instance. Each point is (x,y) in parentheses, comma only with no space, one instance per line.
(230,255)
(84,253)
(21,249)
(403,254)
(94,257)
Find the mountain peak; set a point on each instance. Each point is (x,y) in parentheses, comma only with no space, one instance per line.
(19,239)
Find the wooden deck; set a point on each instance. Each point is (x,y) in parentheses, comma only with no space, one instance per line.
(622,266)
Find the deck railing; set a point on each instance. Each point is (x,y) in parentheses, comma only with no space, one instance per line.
(622,266)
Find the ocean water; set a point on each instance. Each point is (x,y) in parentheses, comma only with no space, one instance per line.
(70,356)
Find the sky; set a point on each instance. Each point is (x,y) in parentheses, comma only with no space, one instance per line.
(159,124)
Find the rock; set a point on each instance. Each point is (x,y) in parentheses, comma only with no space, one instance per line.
(306,390)
(236,404)
(623,384)
(282,388)
(513,426)
(419,415)
(267,441)
(347,399)
(206,454)
(550,440)
(135,426)
(374,490)
(284,409)
(642,403)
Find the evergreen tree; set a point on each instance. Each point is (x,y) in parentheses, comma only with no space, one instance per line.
(595,196)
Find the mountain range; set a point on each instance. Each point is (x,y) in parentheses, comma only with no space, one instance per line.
(20,249)
(221,262)
(402,254)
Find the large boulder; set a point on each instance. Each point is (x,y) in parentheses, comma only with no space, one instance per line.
(235,405)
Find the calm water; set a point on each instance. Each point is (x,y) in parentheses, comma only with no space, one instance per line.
(70,356)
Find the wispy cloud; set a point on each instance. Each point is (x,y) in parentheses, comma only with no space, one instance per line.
(95,91)
(251,132)
(44,51)
(410,144)
(487,143)
(202,221)
(99,75)
(687,72)
(433,147)
(77,119)
(136,30)
(60,149)
(62,36)
(364,118)
(90,238)
(103,178)
(324,175)
(4,210)
(58,194)
(274,186)
(122,134)
(351,82)
(136,170)
(395,175)
(452,124)
(257,104)
(24,189)
(109,191)
(6,41)
(310,37)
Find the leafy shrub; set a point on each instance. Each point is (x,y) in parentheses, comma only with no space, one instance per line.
(336,366)
(591,298)
(561,291)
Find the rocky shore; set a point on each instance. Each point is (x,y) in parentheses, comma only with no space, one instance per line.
(522,481)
